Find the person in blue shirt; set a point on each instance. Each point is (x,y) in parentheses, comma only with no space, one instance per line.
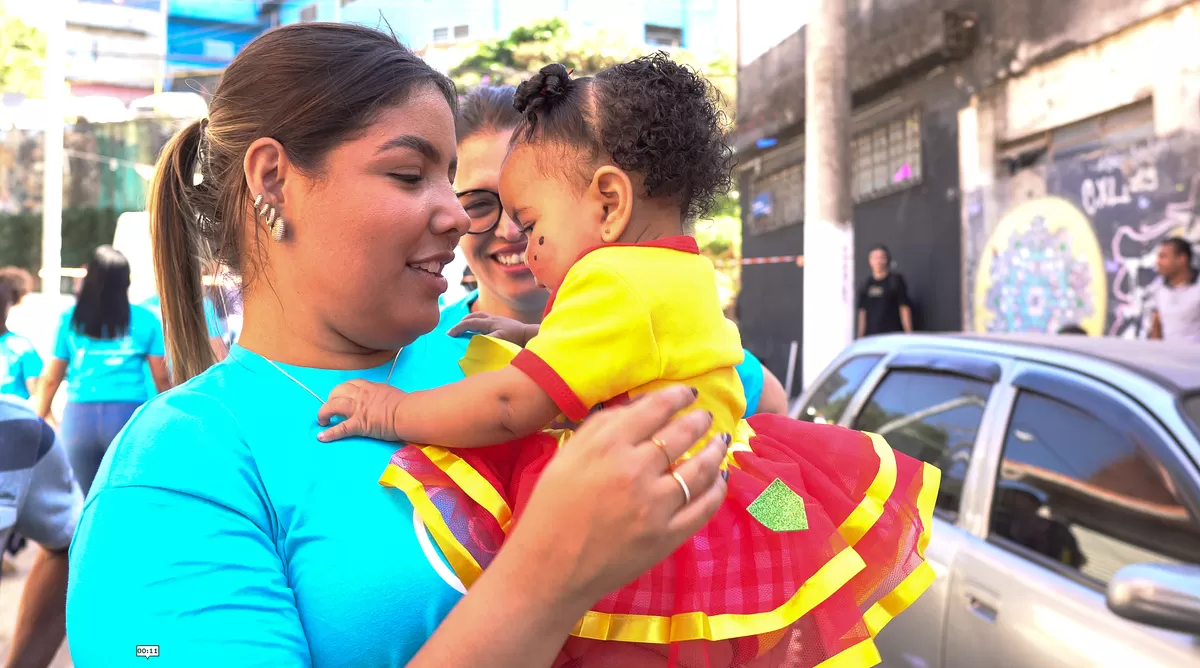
(494,247)
(219,529)
(20,363)
(102,348)
(215,325)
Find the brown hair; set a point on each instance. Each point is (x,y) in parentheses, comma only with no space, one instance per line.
(486,109)
(15,283)
(309,86)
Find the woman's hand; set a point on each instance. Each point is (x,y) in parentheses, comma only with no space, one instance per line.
(605,510)
(513,331)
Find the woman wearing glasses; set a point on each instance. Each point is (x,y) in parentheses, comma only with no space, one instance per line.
(495,246)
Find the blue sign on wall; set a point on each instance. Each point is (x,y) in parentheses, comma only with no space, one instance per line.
(761,206)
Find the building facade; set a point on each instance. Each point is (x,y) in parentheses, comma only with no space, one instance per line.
(115,48)
(905,66)
(204,36)
(1079,156)
(1022,160)
(700,26)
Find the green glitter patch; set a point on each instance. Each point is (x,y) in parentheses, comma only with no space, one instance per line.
(780,509)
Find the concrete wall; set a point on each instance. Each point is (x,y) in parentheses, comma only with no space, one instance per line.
(1071,239)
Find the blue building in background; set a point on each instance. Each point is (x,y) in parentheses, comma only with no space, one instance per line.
(203,37)
(704,27)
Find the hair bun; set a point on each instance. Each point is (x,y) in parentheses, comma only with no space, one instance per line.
(550,84)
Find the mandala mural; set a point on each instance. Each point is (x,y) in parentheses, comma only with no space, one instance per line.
(1041,269)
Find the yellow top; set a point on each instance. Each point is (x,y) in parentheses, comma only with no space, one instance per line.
(631,319)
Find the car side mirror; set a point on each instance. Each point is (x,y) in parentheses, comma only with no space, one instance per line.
(1165,596)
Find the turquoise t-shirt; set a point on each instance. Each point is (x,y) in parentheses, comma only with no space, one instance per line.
(211,318)
(109,369)
(750,370)
(19,363)
(222,531)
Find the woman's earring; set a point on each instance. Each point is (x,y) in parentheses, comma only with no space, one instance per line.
(273,219)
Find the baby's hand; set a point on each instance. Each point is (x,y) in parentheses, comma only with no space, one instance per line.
(494,326)
(369,410)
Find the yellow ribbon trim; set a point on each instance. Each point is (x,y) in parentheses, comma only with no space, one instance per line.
(911,588)
(470,481)
(464,565)
(686,626)
(870,509)
(860,655)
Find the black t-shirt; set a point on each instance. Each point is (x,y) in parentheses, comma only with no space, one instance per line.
(882,299)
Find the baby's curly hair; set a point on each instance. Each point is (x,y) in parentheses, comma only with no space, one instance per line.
(651,116)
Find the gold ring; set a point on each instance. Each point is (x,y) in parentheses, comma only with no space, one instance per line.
(687,493)
(663,446)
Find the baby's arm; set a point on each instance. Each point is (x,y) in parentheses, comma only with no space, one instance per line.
(481,410)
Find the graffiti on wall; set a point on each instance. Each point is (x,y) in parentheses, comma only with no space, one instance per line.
(1041,269)
(1084,252)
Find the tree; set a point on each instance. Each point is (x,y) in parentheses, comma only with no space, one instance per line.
(22,54)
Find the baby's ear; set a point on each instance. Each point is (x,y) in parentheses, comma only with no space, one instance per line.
(612,193)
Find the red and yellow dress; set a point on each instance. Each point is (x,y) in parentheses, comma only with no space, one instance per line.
(819,543)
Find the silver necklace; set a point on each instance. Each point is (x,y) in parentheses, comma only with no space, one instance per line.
(292,378)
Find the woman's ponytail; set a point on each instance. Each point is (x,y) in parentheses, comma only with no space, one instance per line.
(175,237)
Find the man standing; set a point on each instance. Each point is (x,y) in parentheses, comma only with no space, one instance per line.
(883,305)
(1176,294)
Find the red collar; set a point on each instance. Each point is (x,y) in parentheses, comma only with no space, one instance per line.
(681,243)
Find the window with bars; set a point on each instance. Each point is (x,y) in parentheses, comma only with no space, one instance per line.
(778,200)
(665,36)
(887,158)
(441,34)
(461,32)
(308,14)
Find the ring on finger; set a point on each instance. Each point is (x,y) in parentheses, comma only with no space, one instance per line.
(663,446)
(687,493)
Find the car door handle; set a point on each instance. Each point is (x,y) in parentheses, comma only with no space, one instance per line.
(981,608)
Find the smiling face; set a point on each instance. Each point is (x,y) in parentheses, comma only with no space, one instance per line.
(371,233)
(497,258)
(562,222)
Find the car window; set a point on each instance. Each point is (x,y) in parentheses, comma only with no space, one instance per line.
(1191,407)
(830,399)
(1086,495)
(933,417)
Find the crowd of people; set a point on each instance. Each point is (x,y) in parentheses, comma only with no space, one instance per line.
(335,174)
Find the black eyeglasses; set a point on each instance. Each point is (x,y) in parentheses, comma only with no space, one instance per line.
(483,207)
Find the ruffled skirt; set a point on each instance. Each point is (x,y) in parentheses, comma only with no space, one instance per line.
(820,542)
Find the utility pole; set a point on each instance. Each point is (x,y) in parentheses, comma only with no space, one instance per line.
(337,11)
(54,85)
(828,233)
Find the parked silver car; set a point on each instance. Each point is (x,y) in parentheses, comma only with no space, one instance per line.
(1067,528)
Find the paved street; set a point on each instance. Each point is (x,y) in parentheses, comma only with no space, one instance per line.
(11,586)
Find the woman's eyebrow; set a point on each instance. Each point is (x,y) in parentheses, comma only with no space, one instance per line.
(414,143)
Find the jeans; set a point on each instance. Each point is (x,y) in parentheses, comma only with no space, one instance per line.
(88,429)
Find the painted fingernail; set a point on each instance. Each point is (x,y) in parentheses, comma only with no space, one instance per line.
(725,475)
(695,392)
(728,438)
(710,416)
